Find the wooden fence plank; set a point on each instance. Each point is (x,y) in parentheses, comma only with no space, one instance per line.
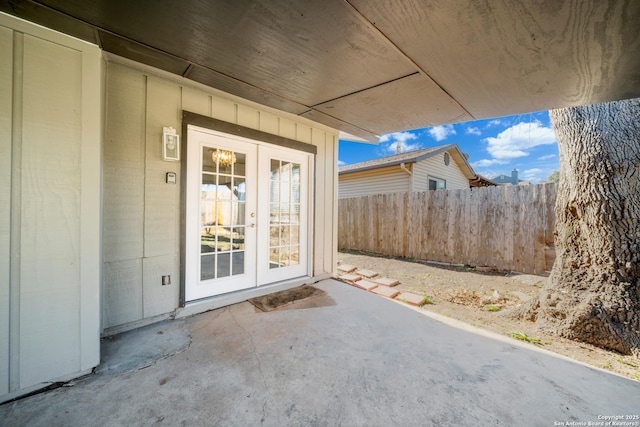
(471,237)
(414,225)
(520,227)
(486,210)
(539,237)
(394,222)
(509,214)
(439,227)
(427,224)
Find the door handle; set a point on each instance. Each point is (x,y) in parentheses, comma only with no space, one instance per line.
(251,226)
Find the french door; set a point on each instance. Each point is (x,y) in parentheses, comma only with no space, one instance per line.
(283,212)
(246,214)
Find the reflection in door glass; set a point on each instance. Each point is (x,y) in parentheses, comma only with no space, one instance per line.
(284,211)
(207,267)
(224,265)
(222,213)
(238,262)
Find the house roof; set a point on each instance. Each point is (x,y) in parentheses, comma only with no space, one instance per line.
(481,181)
(412,157)
(369,68)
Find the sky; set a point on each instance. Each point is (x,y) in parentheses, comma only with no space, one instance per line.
(497,146)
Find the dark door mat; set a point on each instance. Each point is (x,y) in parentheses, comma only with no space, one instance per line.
(280,299)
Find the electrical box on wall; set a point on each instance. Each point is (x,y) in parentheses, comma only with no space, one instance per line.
(170,145)
(171,177)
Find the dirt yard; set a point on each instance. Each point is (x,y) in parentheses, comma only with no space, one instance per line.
(477,298)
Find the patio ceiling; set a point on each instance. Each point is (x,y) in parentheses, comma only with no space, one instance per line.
(372,67)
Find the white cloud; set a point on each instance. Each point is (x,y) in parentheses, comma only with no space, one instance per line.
(493,123)
(515,141)
(547,157)
(404,147)
(398,136)
(488,173)
(440,133)
(533,174)
(341,163)
(488,162)
(473,131)
(400,141)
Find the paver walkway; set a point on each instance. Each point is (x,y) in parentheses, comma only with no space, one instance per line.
(371,281)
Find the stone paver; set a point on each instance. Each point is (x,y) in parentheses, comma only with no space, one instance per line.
(365,284)
(386,291)
(386,281)
(412,299)
(346,268)
(367,273)
(350,277)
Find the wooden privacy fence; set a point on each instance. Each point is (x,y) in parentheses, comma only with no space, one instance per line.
(506,228)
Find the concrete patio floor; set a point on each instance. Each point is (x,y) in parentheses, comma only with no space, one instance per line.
(349,358)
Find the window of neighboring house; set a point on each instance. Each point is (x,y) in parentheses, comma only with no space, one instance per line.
(437,183)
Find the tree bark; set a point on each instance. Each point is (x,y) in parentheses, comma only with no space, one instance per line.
(593,292)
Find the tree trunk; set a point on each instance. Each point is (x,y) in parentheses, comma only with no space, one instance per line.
(593,292)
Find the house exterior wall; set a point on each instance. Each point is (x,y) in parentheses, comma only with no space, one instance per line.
(6,107)
(141,222)
(393,179)
(434,166)
(87,223)
(50,138)
(374,181)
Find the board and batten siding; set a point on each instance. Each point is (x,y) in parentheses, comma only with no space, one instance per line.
(141,220)
(50,145)
(435,167)
(385,180)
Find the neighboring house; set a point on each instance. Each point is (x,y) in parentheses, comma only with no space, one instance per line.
(481,181)
(435,168)
(507,179)
(510,179)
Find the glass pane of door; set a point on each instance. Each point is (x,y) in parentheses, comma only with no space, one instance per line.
(284,213)
(222,213)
